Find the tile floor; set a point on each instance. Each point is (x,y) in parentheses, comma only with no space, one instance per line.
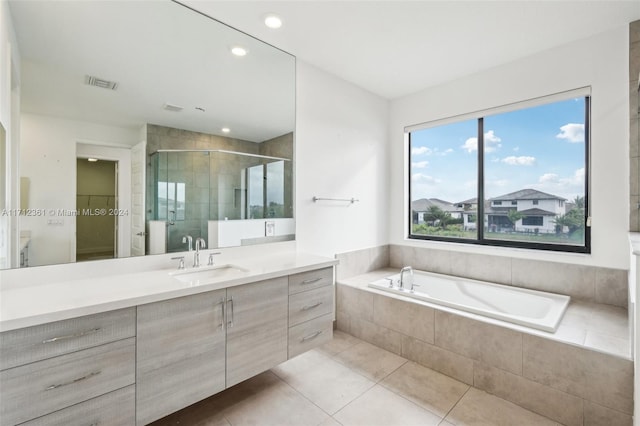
(350,382)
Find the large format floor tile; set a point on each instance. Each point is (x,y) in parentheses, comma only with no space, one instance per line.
(335,385)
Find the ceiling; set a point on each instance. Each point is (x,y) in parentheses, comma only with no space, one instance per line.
(394,48)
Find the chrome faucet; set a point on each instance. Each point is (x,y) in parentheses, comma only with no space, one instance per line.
(196,256)
(188,239)
(408,269)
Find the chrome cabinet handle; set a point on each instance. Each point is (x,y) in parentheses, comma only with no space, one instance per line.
(222,303)
(311,336)
(230,322)
(315,305)
(311,281)
(71,336)
(79,379)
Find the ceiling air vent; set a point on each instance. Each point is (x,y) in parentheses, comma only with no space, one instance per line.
(172,107)
(100,82)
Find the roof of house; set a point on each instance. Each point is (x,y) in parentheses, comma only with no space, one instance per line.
(527,194)
(536,212)
(423,204)
(469,201)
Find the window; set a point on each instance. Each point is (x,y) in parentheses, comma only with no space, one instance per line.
(532,221)
(521,171)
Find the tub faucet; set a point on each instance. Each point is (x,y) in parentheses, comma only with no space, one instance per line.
(408,269)
(196,256)
(188,239)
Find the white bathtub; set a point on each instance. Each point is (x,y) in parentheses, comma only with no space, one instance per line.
(536,309)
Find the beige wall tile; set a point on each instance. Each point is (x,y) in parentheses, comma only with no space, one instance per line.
(407,318)
(457,366)
(634,32)
(352,263)
(549,402)
(612,286)
(377,335)
(493,345)
(427,388)
(595,376)
(597,415)
(479,408)
(355,302)
(423,259)
(343,322)
(575,280)
(482,267)
(379,257)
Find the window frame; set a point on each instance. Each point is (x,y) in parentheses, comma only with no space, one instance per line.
(585,93)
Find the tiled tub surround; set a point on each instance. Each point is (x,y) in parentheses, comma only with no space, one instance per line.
(589,283)
(579,375)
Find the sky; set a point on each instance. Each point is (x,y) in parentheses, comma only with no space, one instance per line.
(541,148)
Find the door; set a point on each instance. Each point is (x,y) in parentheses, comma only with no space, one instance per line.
(138,181)
(257,320)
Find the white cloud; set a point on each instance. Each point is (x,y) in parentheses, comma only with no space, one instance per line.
(422,178)
(519,161)
(516,149)
(421,150)
(572,132)
(491,143)
(567,186)
(419,164)
(448,151)
(470,145)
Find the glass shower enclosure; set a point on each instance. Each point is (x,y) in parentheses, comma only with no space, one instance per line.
(192,187)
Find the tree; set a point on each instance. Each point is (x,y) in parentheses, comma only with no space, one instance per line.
(437,216)
(514,216)
(574,219)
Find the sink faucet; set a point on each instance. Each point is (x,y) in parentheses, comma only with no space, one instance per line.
(408,269)
(188,239)
(196,256)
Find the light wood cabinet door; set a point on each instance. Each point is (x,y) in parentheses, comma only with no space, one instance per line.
(180,353)
(256,328)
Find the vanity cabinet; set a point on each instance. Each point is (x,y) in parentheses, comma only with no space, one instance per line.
(257,330)
(310,310)
(59,369)
(180,353)
(192,347)
(136,365)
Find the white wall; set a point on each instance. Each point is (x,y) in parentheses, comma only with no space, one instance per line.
(48,159)
(341,152)
(600,62)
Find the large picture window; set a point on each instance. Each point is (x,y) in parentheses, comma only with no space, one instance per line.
(512,176)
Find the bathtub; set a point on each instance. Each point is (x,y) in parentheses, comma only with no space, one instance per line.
(531,308)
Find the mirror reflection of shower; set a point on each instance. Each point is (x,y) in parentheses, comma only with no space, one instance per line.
(193,187)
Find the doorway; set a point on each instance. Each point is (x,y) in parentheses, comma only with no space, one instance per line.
(96,204)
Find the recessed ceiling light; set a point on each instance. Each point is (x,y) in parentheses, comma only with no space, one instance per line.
(273,21)
(239,51)
(92,160)
(226,130)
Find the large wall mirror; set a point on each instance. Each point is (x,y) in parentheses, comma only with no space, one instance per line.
(139,128)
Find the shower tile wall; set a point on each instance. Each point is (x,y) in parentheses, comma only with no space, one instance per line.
(214,182)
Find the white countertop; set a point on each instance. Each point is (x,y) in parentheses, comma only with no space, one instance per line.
(53,301)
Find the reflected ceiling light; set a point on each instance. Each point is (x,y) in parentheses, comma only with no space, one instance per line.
(239,51)
(92,160)
(226,130)
(273,21)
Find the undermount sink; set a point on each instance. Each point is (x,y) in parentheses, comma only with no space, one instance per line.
(209,274)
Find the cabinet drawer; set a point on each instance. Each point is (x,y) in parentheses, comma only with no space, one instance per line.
(310,304)
(309,280)
(40,388)
(310,334)
(117,408)
(26,345)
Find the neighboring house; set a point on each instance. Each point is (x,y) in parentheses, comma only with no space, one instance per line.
(538,210)
(421,207)
(469,210)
